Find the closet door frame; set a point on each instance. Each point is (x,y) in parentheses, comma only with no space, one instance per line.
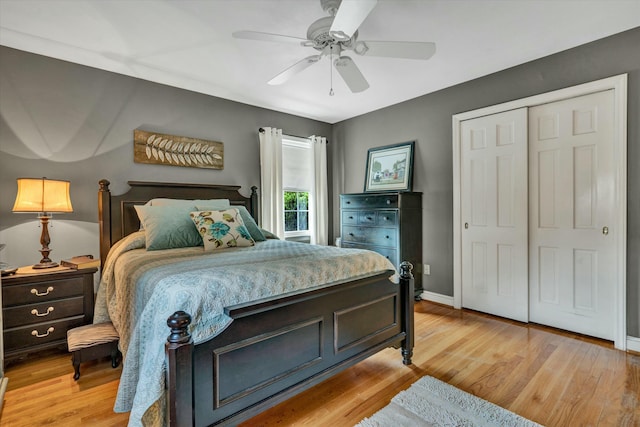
(619,85)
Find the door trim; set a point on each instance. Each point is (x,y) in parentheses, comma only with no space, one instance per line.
(619,86)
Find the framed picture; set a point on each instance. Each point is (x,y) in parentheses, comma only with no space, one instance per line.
(390,168)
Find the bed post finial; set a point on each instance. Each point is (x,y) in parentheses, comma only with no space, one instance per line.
(179,356)
(179,322)
(104,184)
(407,302)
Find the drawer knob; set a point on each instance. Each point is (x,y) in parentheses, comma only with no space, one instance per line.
(38,294)
(386,218)
(37,335)
(388,201)
(348,202)
(35,312)
(386,237)
(351,217)
(351,234)
(369,218)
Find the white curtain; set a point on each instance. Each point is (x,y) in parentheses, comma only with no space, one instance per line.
(319,212)
(272,195)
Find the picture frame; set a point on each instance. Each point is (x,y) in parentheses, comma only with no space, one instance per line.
(390,168)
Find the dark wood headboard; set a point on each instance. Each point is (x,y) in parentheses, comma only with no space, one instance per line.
(117,216)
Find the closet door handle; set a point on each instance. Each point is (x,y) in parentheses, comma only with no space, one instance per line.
(605,230)
(466,225)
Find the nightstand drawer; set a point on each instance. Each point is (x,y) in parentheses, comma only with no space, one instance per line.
(41,291)
(372,235)
(42,312)
(39,334)
(369,201)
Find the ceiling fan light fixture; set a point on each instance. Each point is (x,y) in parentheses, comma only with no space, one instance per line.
(340,36)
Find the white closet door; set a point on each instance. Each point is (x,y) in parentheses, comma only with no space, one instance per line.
(572,186)
(494,214)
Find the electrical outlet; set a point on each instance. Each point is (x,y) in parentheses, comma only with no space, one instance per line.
(427,269)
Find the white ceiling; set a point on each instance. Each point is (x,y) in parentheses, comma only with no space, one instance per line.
(188,43)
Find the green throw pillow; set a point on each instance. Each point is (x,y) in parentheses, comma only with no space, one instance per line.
(168,227)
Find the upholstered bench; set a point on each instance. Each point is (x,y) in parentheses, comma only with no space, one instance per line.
(91,342)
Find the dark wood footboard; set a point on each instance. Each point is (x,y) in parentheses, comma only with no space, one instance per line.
(277,348)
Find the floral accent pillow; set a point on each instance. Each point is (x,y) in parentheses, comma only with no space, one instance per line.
(221,229)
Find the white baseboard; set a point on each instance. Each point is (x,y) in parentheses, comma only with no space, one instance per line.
(439,298)
(633,344)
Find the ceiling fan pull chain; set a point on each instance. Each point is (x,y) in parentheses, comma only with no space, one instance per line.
(331,71)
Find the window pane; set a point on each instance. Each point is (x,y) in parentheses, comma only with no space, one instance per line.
(303,201)
(290,201)
(291,221)
(303,220)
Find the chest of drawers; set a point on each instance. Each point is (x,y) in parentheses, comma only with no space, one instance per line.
(38,309)
(389,223)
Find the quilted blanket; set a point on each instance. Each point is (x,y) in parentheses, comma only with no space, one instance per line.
(140,289)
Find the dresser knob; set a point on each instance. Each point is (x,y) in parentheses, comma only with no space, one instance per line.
(388,201)
(351,217)
(351,234)
(35,312)
(37,335)
(369,218)
(386,218)
(386,237)
(348,202)
(38,294)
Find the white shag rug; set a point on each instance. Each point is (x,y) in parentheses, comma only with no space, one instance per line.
(431,402)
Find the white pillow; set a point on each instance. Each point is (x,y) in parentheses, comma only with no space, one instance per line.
(213,203)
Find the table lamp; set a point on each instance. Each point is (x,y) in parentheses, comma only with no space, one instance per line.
(44,196)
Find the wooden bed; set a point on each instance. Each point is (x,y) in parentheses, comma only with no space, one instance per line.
(275,348)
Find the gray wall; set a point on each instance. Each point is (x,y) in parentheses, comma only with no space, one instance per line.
(427,120)
(68,121)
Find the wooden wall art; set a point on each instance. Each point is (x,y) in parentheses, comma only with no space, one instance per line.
(160,149)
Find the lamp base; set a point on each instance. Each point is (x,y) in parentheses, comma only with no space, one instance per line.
(49,264)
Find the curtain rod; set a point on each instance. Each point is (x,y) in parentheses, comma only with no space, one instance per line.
(261,130)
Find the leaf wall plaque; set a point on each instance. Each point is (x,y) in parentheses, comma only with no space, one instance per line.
(161,149)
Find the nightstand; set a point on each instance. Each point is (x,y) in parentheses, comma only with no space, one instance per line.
(39,307)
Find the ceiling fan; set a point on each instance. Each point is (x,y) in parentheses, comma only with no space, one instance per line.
(337,33)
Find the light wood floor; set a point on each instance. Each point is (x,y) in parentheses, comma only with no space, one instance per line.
(551,377)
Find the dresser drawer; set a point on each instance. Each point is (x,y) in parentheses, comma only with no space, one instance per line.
(387,218)
(41,291)
(368,201)
(389,253)
(371,235)
(350,217)
(367,217)
(39,333)
(23,315)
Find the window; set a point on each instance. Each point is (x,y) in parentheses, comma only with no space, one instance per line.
(296,183)
(296,211)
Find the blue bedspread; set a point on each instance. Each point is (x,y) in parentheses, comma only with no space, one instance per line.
(140,289)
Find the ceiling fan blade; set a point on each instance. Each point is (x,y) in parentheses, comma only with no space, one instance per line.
(267,37)
(408,50)
(350,16)
(351,74)
(294,69)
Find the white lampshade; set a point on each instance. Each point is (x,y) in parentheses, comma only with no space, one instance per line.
(42,195)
